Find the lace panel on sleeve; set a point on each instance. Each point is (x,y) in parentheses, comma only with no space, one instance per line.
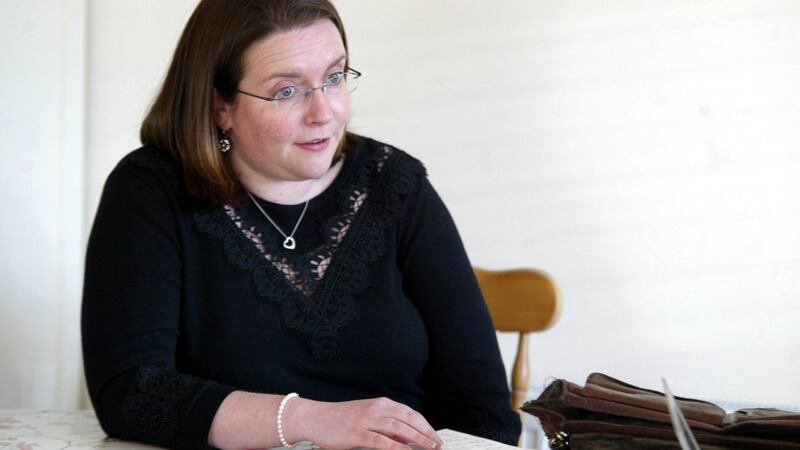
(150,409)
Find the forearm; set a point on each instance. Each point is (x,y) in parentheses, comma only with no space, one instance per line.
(248,420)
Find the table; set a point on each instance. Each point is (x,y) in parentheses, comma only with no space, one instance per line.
(57,430)
(79,430)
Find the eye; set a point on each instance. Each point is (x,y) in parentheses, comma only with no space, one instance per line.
(335,78)
(285,93)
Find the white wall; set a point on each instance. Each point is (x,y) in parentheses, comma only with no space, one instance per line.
(42,44)
(131,44)
(644,153)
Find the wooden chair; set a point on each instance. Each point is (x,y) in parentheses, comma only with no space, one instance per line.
(521,300)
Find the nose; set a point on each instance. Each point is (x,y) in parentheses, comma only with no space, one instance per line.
(318,110)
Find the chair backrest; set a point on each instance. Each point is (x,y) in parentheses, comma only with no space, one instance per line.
(521,300)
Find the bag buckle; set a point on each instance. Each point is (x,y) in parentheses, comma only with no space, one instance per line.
(559,442)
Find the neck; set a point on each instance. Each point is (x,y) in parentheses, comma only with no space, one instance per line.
(290,192)
(282,192)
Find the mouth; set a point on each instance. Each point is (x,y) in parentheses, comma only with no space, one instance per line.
(315,145)
(314,141)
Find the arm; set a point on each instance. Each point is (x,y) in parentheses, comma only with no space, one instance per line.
(130,318)
(130,327)
(465,378)
(247,420)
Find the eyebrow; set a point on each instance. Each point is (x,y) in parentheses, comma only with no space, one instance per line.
(299,75)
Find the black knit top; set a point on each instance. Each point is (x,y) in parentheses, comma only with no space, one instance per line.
(185,303)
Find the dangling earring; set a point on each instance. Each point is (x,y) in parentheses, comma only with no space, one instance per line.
(224,142)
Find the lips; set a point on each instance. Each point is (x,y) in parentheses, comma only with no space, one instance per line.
(315,145)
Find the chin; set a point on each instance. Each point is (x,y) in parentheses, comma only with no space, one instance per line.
(317,170)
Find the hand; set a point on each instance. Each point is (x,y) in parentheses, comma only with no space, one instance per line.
(377,423)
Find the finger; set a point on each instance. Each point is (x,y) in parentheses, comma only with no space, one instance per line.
(380,441)
(418,422)
(414,445)
(385,407)
(400,431)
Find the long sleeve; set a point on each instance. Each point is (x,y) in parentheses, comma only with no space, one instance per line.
(130,318)
(183,303)
(465,379)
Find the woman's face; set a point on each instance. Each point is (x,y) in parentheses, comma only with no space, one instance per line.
(282,142)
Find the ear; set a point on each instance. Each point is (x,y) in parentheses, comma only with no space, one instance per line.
(223,116)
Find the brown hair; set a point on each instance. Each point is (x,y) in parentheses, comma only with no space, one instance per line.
(210,56)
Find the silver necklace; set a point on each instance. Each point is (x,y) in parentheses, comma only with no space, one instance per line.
(288,241)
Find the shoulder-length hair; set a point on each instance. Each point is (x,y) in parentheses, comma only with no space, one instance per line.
(210,56)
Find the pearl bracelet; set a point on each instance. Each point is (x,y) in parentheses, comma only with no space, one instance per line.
(282,406)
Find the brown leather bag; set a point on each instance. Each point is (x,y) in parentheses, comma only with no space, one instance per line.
(609,414)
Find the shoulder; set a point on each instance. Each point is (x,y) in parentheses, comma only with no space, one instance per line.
(148,165)
(148,159)
(145,175)
(386,164)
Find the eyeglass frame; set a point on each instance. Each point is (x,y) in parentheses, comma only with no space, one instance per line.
(347,72)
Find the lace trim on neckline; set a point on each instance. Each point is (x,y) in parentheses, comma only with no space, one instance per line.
(316,291)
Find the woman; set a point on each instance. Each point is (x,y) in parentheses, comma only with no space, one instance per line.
(253,250)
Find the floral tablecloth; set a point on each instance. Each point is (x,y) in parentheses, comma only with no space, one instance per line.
(79,430)
(64,430)
(57,430)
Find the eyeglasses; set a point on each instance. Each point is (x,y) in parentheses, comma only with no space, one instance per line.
(336,86)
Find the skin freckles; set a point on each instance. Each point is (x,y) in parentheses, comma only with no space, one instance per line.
(268,155)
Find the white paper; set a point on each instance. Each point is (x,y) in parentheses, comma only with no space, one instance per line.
(453,440)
